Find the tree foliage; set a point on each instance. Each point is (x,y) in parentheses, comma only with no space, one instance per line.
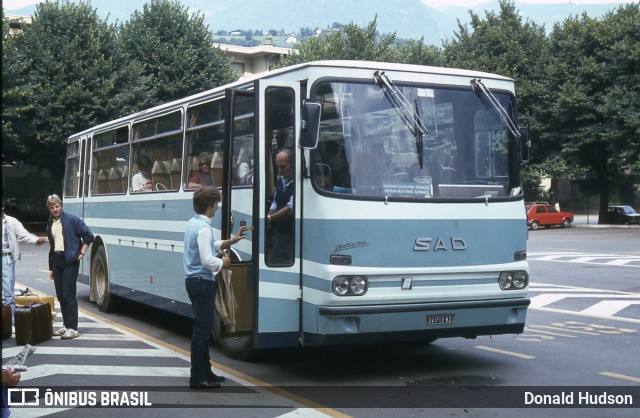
(70,70)
(59,76)
(174,51)
(351,42)
(502,43)
(592,100)
(579,86)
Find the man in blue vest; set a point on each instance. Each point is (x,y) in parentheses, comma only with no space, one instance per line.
(281,215)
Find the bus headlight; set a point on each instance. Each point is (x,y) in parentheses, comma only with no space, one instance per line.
(520,279)
(513,280)
(358,285)
(341,285)
(350,285)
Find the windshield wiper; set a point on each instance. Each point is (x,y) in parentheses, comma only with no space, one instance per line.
(419,133)
(408,113)
(495,106)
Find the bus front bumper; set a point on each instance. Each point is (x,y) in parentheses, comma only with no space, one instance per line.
(418,321)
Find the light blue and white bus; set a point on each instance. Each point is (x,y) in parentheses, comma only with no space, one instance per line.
(409,221)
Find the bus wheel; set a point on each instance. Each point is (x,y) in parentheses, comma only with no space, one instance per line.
(100,271)
(238,347)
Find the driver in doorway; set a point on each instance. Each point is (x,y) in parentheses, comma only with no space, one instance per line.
(280,217)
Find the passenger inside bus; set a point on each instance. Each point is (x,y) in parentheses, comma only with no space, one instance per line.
(245,167)
(141,182)
(202,177)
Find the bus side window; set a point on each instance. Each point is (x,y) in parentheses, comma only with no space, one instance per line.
(110,157)
(175,173)
(216,168)
(115,181)
(243,170)
(125,177)
(159,140)
(102,182)
(72,167)
(160,176)
(205,135)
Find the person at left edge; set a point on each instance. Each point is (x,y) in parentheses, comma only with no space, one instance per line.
(69,240)
(13,232)
(10,379)
(201,266)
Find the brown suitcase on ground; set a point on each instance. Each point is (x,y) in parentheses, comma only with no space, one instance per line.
(6,321)
(33,323)
(28,298)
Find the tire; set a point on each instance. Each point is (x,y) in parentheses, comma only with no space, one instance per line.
(534,225)
(566,223)
(100,280)
(238,347)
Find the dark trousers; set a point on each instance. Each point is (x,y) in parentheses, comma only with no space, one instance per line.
(65,277)
(202,294)
(282,250)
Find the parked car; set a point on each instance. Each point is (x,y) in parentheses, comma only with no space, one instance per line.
(624,215)
(543,214)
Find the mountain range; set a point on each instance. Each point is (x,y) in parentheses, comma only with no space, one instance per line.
(409,19)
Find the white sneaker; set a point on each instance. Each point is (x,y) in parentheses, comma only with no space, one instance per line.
(71,333)
(60,332)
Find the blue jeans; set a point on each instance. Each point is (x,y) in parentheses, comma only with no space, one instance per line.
(9,282)
(65,277)
(5,392)
(202,294)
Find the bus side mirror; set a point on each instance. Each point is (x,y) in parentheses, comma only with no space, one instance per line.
(310,125)
(525,146)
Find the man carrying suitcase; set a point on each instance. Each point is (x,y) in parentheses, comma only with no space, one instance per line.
(13,233)
(69,239)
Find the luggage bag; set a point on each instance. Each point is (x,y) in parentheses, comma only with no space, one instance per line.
(28,298)
(6,321)
(33,323)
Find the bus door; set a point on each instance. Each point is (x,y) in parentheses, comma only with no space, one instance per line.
(279,302)
(265,287)
(235,327)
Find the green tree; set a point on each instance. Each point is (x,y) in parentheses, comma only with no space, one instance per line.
(60,76)
(11,150)
(592,97)
(174,51)
(503,43)
(350,42)
(417,52)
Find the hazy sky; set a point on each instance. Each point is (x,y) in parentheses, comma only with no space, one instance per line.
(471,3)
(16,4)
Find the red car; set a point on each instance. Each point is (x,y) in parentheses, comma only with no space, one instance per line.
(543,214)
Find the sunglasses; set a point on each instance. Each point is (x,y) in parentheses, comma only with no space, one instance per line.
(205,164)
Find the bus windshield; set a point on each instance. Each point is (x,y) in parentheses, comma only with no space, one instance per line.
(442,143)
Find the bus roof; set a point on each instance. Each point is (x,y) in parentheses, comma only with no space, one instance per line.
(247,81)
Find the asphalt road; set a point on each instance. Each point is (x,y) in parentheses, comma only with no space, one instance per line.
(583,330)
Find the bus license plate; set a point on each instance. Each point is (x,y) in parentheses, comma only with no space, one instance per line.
(440,319)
